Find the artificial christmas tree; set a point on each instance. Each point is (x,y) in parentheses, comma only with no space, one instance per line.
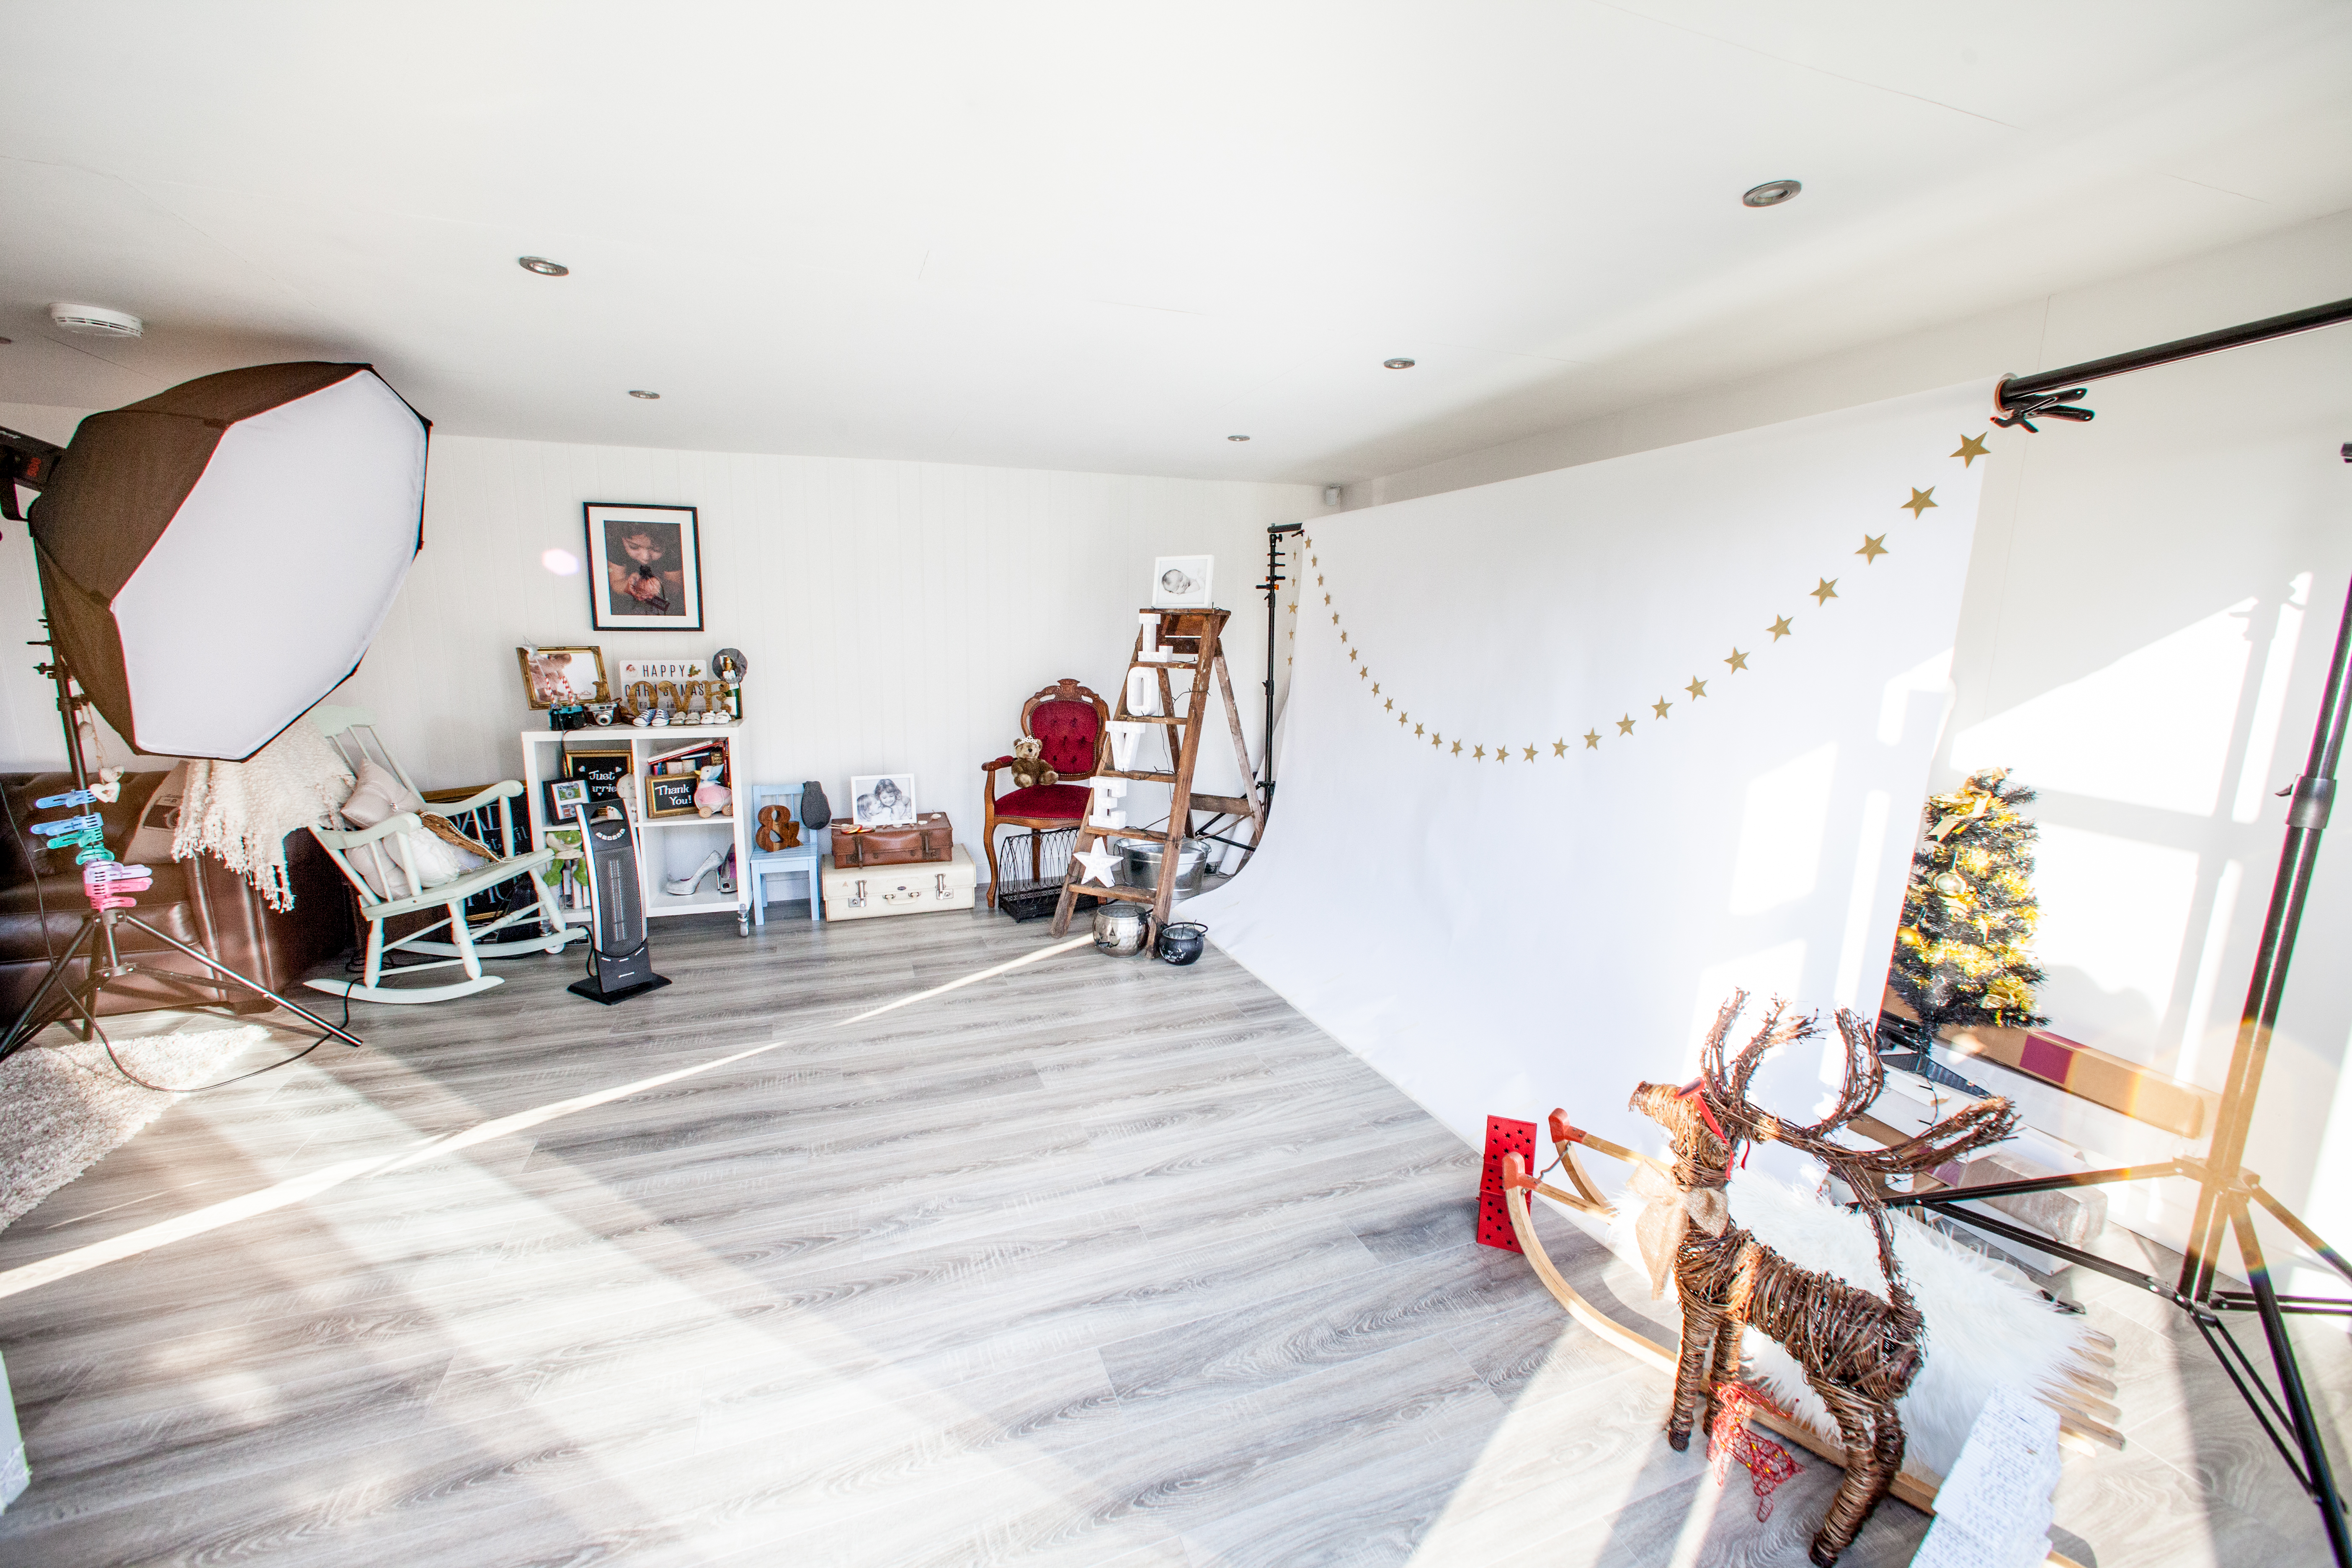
(1963,954)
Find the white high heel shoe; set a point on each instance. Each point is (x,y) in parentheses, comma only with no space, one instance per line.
(679,887)
(725,883)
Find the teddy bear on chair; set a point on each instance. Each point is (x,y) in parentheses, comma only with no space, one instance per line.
(1029,767)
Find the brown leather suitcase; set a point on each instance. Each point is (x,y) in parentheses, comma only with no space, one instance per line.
(930,838)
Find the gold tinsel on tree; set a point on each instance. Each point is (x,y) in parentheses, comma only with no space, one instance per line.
(1963,954)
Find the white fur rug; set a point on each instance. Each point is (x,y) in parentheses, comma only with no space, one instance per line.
(1983,1326)
(63,1107)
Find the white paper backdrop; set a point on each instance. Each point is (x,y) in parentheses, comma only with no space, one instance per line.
(1505,936)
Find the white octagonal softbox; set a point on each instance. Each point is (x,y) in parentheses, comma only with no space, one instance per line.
(216,558)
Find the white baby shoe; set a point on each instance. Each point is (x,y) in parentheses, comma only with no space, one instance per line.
(679,887)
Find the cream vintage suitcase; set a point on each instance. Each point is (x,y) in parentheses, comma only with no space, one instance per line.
(863,892)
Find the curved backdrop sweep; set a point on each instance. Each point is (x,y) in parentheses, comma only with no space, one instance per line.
(1568,758)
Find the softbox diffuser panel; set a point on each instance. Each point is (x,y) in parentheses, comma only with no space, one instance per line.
(217,558)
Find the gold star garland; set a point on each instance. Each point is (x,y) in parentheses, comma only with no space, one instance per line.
(1874,545)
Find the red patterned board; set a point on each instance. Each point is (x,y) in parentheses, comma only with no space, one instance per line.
(1504,1136)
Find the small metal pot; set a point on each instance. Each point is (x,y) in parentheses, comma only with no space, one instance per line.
(1181,941)
(1119,928)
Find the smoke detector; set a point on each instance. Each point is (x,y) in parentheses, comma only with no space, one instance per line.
(97,321)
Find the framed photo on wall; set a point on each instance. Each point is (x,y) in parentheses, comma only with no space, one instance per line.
(883,800)
(562,676)
(1182,582)
(644,567)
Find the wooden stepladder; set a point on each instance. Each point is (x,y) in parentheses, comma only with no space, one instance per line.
(1166,641)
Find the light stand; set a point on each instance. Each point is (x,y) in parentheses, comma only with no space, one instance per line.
(2226,1190)
(98,928)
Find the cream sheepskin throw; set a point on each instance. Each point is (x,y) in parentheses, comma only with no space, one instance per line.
(1984,1327)
(242,812)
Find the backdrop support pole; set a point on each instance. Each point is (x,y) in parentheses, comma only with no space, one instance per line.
(1272,588)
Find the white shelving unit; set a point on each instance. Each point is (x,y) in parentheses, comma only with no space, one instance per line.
(667,846)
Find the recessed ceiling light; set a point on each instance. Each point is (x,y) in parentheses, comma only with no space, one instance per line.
(1396,365)
(1236,437)
(1771,193)
(648,397)
(97,321)
(542,265)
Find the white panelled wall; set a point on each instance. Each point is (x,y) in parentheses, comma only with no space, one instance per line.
(895,614)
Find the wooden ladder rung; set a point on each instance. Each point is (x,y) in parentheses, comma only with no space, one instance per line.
(1152,834)
(1232,805)
(1135,773)
(1132,895)
(1150,719)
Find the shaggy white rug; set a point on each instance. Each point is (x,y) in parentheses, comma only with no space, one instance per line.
(1984,1327)
(64,1107)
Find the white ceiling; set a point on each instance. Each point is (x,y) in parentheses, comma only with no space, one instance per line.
(1106,236)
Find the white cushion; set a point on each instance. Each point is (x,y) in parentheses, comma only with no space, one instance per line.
(377,796)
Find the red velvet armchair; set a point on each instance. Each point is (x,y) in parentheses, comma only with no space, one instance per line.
(1073,726)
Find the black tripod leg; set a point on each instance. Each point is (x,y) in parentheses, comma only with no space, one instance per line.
(30,1022)
(2319,1477)
(257,988)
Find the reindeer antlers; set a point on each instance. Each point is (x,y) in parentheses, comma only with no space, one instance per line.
(1986,1123)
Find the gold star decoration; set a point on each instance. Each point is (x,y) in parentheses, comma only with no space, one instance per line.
(1625,725)
(1697,688)
(1335,617)
(1660,707)
(1458,749)
(1294,606)
(1477,754)
(1920,501)
(1343,636)
(1351,654)
(1779,629)
(1531,753)
(1738,660)
(1387,704)
(1327,599)
(1376,691)
(1363,671)
(1433,739)
(1318,579)
(1971,448)
(1416,729)
(1827,591)
(1560,747)
(1593,740)
(1401,721)
(1502,753)
(1872,547)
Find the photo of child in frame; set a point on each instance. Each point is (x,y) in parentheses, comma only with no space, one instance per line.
(647,567)
(644,568)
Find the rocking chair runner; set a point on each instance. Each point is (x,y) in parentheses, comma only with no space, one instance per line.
(1071,723)
(351,732)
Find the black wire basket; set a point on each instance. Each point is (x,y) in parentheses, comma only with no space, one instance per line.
(1032,898)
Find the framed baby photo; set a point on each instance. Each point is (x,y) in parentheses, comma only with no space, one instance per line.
(644,568)
(1182,582)
(883,800)
(560,677)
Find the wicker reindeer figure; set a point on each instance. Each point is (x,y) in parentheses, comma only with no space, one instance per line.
(1859,1352)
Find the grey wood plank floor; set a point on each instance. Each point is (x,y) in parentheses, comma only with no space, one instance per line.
(1094,1262)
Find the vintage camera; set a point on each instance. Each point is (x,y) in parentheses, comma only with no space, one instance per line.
(567,716)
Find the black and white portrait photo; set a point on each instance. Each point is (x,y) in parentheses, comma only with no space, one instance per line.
(883,800)
(1182,582)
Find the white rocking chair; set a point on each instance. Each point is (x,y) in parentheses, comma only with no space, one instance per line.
(352,730)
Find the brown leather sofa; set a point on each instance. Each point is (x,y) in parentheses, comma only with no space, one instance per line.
(200,901)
